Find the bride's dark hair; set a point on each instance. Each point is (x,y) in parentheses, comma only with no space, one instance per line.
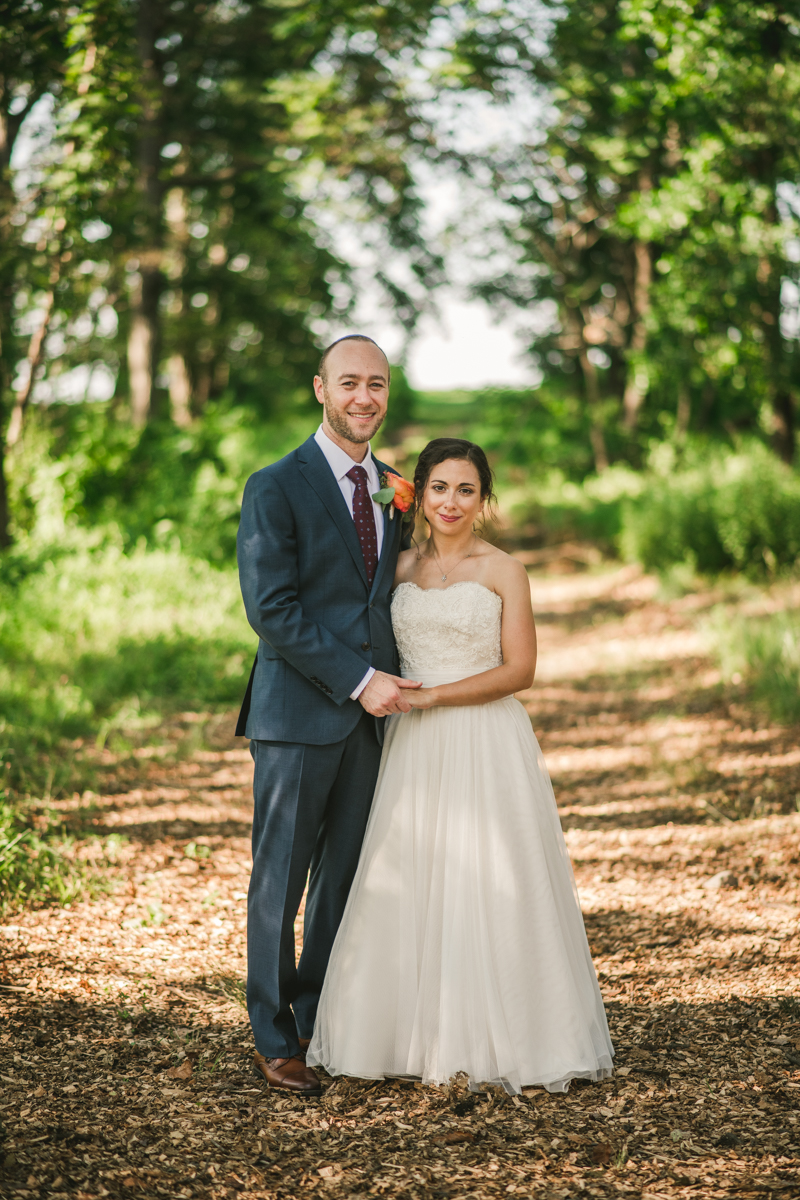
(442,449)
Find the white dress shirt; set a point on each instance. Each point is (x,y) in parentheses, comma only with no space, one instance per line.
(340,463)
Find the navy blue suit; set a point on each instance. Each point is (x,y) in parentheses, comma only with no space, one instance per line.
(316,751)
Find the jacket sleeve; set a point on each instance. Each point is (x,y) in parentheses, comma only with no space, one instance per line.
(268,573)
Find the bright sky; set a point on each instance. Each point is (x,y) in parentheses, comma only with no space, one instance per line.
(467,348)
(466,344)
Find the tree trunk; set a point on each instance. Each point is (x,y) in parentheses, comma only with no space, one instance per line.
(635,389)
(784,440)
(5,515)
(143,345)
(180,391)
(7,201)
(684,413)
(5,327)
(596,435)
(781,398)
(144,337)
(34,357)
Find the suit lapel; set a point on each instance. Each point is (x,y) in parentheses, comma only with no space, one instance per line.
(390,532)
(319,475)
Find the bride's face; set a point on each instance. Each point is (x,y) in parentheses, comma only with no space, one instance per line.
(452,500)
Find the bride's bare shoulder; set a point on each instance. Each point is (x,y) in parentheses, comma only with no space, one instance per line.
(407,561)
(501,571)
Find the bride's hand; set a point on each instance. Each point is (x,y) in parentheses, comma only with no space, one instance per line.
(422,698)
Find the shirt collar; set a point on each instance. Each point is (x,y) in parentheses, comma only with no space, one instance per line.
(339,462)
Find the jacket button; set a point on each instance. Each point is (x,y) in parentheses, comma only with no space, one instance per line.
(365,645)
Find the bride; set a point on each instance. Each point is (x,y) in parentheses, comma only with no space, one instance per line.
(462,946)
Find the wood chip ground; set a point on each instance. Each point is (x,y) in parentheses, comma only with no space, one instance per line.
(125,1053)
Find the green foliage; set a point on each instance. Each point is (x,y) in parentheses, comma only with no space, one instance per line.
(718,512)
(160,485)
(34,867)
(91,637)
(763,654)
(403,404)
(655,219)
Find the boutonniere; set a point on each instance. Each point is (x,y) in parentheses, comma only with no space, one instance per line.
(396,492)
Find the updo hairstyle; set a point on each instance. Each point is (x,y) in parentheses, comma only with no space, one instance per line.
(443,449)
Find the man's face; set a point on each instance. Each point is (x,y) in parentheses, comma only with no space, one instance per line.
(356,391)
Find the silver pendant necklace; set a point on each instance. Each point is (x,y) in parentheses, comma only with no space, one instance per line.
(458,564)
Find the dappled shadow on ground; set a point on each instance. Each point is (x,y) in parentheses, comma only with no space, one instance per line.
(635,724)
(124,1045)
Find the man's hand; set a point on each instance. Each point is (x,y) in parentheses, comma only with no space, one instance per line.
(383,694)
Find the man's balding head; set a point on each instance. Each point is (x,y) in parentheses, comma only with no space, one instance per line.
(353,386)
(322,370)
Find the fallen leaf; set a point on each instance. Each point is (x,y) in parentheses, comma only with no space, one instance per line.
(454,1136)
(326,1172)
(600,1154)
(184,1071)
(233,1181)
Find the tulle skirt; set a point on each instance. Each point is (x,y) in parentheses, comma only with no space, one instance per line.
(462,946)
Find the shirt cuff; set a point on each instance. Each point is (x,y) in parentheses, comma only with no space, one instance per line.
(355,694)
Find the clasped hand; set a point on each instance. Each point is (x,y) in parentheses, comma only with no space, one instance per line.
(386,694)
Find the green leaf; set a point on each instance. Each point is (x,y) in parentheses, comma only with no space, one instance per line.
(384,496)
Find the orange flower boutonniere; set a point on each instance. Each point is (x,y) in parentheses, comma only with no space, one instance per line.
(395,492)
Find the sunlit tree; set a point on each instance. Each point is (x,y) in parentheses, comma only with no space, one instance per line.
(32,59)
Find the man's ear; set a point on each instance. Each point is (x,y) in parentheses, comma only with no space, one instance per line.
(319,389)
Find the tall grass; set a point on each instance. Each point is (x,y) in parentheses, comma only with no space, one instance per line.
(710,509)
(90,636)
(717,511)
(34,865)
(92,639)
(763,654)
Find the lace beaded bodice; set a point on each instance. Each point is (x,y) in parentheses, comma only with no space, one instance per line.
(441,628)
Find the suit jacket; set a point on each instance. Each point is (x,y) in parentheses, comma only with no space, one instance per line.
(306,595)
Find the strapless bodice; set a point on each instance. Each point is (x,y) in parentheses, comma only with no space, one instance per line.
(452,629)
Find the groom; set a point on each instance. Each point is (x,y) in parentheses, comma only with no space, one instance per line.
(317,558)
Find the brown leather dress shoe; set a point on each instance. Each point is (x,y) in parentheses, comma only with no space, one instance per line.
(291,1074)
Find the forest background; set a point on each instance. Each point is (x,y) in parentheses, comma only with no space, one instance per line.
(177,181)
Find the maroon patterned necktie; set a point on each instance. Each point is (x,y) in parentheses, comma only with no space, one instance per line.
(364,517)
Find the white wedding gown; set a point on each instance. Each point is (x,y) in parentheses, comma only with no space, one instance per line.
(462,947)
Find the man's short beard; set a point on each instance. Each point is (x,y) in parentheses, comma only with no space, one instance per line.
(338,423)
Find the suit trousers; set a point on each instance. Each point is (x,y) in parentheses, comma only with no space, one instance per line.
(311,805)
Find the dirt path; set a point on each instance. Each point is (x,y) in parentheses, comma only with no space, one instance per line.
(124,1047)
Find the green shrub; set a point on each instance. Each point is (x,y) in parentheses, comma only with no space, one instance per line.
(555,510)
(720,512)
(88,632)
(763,653)
(34,867)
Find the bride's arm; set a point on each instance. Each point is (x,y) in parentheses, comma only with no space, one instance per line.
(518,640)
